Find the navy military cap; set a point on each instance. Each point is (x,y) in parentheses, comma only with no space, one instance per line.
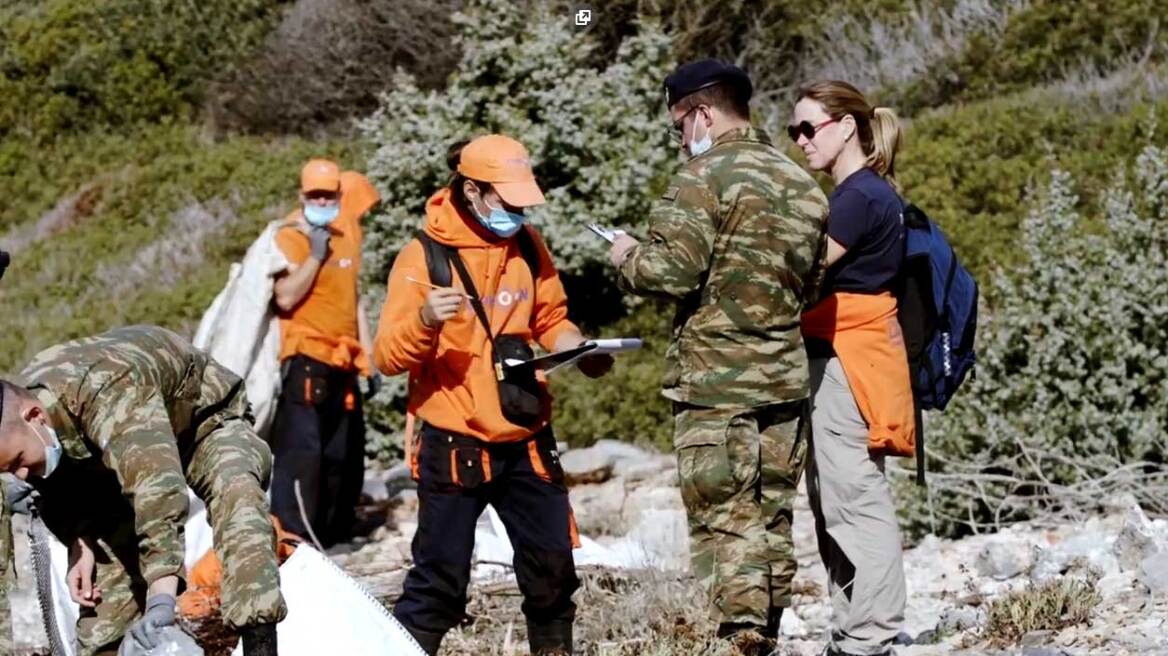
(698,75)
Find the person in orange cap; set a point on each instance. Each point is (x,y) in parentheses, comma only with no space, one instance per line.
(318,434)
(485,435)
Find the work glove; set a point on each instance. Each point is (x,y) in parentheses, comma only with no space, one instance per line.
(148,630)
(19,496)
(318,239)
(372,385)
(172,641)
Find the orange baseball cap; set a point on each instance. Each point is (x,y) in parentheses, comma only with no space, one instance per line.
(503,162)
(320,175)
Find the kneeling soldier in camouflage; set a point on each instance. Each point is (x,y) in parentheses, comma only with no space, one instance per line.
(111,430)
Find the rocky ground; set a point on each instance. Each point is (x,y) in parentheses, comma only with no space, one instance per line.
(1011,592)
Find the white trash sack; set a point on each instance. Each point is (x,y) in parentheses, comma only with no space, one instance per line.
(330,613)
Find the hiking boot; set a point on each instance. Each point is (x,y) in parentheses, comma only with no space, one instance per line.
(747,638)
(551,639)
(429,641)
(259,640)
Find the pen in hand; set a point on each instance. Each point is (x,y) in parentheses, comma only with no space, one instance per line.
(426,284)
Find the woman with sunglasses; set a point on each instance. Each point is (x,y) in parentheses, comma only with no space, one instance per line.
(861,396)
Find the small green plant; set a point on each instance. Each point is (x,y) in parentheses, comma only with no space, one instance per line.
(1049,606)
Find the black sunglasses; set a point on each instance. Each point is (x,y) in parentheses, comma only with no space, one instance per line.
(806,129)
(675,132)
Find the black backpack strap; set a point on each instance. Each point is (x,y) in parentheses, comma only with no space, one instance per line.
(918,417)
(437,259)
(529,251)
(476,303)
(438,256)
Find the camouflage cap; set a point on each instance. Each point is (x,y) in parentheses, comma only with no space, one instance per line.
(698,75)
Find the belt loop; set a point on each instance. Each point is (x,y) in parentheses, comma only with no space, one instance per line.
(485,453)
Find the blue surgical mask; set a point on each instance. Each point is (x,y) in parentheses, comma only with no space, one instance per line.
(52,452)
(500,221)
(321,216)
(697,147)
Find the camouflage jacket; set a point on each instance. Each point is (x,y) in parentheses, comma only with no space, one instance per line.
(733,241)
(129,406)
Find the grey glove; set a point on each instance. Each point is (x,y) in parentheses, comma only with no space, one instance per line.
(318,238)
(172,641)
(147,631)
(372,385)
(19,496)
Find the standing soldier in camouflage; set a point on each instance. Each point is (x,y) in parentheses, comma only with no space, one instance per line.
(732,241)
(111,430)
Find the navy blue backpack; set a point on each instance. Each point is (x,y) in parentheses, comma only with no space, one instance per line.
(937,311)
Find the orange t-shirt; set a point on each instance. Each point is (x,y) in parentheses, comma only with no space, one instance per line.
(324,325)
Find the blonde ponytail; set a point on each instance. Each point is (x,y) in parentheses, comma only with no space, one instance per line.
(886,140)
(878,128)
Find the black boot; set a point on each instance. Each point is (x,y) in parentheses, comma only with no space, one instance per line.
(551,639)
(259,640)
(429,641)
(774,621)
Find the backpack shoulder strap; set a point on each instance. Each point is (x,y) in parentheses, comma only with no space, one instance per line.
(437,260)
(529,251)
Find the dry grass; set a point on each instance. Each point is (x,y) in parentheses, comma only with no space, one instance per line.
(644,613)
(328,60)
(876,53)
(1049,606)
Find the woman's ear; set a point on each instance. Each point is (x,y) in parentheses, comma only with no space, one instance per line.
(849,124)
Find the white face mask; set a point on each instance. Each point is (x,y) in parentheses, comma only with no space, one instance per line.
(697,147)
(52,451)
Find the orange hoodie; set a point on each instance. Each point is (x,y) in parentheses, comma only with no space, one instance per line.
(866,337)
(452,375)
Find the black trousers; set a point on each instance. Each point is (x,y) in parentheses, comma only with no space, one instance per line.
(318,439)
(457,477)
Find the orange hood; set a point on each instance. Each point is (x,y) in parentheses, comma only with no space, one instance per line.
(449,226)
(358,195)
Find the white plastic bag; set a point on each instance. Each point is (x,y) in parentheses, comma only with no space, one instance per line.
(330,613)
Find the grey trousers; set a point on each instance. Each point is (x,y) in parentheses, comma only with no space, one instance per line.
(855,519)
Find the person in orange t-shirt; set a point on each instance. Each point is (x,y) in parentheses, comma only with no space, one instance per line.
(485,438)
(318,435)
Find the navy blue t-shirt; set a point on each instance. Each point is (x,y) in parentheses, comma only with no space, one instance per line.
(866,217)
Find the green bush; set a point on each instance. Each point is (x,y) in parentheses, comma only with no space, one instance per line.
(1069,403)
(970,167)
(165,214)
(328,61)
(76,66)
(1039,43)
(597,136)
(627,404)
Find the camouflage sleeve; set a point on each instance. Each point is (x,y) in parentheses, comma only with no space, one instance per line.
(682,228)
(138,444)
(7,559)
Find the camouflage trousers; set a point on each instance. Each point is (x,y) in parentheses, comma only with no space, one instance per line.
(229,470)
(738,470)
